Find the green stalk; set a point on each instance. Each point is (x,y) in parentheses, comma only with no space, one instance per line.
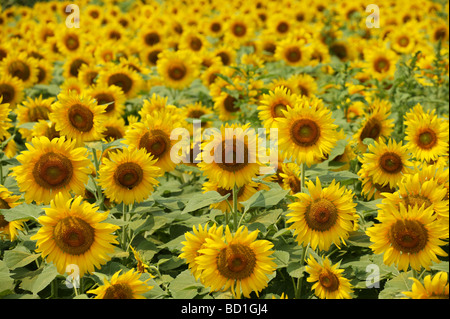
(303,178)
(298,291)
(235,207)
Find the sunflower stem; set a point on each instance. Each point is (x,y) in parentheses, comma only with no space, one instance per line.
(298,292)
(235,207)
(124,227)
(302,181)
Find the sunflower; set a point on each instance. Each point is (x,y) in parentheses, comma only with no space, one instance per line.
(196,111)
(74,61)
(415,190)
(45,72)
(290,175)
(230,159)
(238,261)
(323,217)
(153,134)
(33,110)
(69,40)
(404,40)
(128,176)
(280,24)
(238,30)
(5,121)
(227,106)
(304,84)
(266,44)
(72,232)
(272,104)
(125,286)
(121,76)
(194,41)
(196,241)
(155,103)
(87,74)
(9,229)
(20,66)
(328,280)
(78,117)
(178,68)
(151,55)
(244,193)
(114,128)
(151,35)
(110,96)
(226,53)
(387,163)
(45,128)
(11,89)
(380,62)
(49,167)
(306,132)
(293,52)
(376,124)
(426,134)
(370,189)
(433,287)
(408,236)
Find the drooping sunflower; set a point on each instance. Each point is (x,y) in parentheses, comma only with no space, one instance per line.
(49,167)
(45,128)
(427,135)
(408,236)
(196,241)
(128,176)
(9,229)
(328,280)
(231,157)
(178,68)
(244,193)
(11,89)
(238,261)
(121,76)
(414,190)
(153,134)
(306,132)
(78,117)
(376,124)
(370,189)
(433,287)
(33,110)
(73,232)
(387,163)
(20,66)
(324,217)
(125,286)
(110,96)
(196,111)
(114,128)
(272,104)
(291,177)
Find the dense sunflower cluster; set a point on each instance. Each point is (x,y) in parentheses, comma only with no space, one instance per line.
(247,148)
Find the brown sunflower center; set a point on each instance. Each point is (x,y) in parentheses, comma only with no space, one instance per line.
(196,44)
(232,159)
(3,205)
(72,43)
(3,221)
(230,104)
(236,262)
(339,50)
(37,113)
(105,98)
(305,132)
(152,38)
(372,130)
(224,191)
(427,139)
(215,27)
(20,70)
(294,184)
(329,281)
(81,118)
(75,66)
(177,72)
(239,29)
(403,41)
(293,54)
(391,163)
(121,80)
(73,235)
(440,34)
(196,114)
(112,133)
(128,175)
(321,215)
(118,291)
(152,56)
(277,110)
(156,143)
(282,27)
(8,92)
(53,170)
(224,57)
(381,65)
(408,236)
(419,200)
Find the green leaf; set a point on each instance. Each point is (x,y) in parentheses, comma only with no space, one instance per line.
(184,286)
(19,257)
(6,282)
(265,198)
(393,288)
(22,211)
(43,279)
(203,200)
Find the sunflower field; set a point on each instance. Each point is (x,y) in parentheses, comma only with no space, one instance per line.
(206,149)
